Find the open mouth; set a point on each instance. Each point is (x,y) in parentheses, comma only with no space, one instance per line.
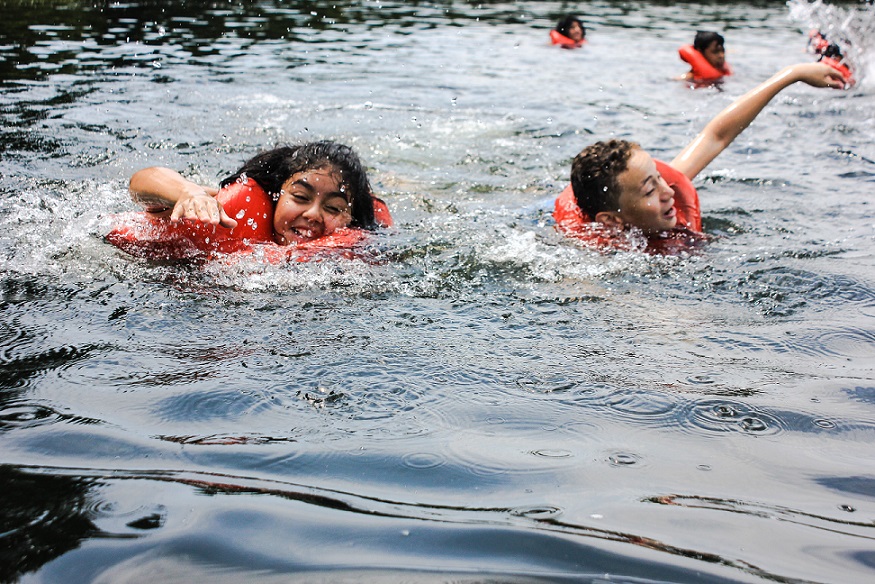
(302,234)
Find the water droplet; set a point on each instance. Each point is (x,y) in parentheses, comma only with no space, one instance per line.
(753,425)
(552,453)
(240,214)
(623,459)
(423,460)
(545,512)
(725,411)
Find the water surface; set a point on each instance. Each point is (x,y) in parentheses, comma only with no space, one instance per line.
(478,399)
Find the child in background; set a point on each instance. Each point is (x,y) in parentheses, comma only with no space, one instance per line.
(569,33)
(706,57)
(829,53)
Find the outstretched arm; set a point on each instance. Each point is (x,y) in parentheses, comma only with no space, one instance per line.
(723,129)
(166,192)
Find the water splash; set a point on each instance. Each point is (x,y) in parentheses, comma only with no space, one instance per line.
(852,28)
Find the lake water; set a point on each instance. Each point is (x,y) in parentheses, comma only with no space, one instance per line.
(480,400)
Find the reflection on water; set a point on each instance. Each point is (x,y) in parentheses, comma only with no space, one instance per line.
(481,400)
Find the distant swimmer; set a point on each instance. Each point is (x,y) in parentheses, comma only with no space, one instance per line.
(569,33)
(829,53)
(706,57)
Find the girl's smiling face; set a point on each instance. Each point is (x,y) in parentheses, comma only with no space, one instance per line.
(312,204)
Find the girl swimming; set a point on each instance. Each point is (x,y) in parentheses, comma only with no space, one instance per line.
(316,187)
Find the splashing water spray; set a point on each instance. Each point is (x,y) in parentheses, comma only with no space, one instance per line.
(851,27)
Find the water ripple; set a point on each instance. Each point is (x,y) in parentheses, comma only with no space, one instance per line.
(724,416)
(648,407)
(208,405)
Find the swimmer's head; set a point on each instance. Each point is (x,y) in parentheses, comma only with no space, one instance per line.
(617,183)
(833,51)
(711,45)
(595,173)
(571,27)
(273,168)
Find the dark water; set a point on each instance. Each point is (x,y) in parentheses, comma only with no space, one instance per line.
(480,400)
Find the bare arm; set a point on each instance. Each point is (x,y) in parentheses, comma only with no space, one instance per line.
(728,124)
(166,192)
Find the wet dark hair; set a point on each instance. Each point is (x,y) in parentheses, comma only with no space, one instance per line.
(832,51)
(704,38)
(595,172)
(566,22)
(272,168)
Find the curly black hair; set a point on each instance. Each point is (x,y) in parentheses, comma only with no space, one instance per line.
(595,172)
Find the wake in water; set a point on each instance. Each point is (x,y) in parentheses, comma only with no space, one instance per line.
(851,28)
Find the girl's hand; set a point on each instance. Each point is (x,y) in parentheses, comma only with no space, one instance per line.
(203,207)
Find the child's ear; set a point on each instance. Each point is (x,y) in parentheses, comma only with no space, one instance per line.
(609,218)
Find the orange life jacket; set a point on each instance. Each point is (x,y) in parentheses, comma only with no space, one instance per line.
(574,222)
(148,236)
(557,38)
(701,68)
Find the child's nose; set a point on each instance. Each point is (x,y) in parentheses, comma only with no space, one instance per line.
(667,191)
(313,213)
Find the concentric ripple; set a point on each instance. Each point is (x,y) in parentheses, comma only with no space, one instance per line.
(724,416)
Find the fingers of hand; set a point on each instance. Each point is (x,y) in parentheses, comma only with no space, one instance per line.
(227,221)
(835,79)
(202,209)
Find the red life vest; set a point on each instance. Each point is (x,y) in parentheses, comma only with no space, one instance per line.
(557,38)
(574,222)
(148,236)
(701,68)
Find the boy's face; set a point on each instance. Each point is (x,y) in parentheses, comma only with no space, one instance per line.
(575,32)
(646,200)
(715,54)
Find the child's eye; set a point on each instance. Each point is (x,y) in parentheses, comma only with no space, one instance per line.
(300,198)
(334,210)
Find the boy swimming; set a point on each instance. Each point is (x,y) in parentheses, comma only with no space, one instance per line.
(617,186)
(706,57)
